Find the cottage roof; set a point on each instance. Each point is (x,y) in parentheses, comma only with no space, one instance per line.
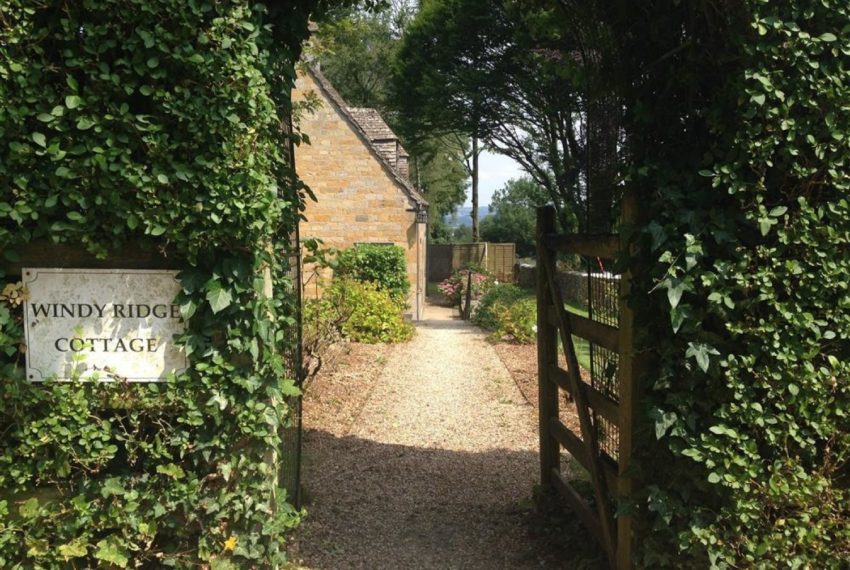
(372,129)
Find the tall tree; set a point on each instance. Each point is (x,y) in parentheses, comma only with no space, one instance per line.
(440,70)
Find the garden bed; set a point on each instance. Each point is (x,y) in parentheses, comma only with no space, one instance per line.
(521,362)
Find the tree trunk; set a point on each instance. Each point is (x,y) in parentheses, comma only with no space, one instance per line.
(475,235)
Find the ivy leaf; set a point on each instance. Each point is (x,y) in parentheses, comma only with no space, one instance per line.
(828,37)
(15,257)
(290,389)
(172,470)
(112,486)
(220,401)
(701,353)
(663,422)
(674,294)
(658,234)
(73,101)
(29,509)
(37,548)
(39,139)
(74,549)
(187,309)
(109,551)
(678,316)
(84,123)
(219,298)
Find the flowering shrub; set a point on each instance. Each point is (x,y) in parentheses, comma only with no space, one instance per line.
(451,288)
(454,288)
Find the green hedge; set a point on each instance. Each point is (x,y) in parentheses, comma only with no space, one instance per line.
(385,265)
(738,127)
(155,121)
(509,312)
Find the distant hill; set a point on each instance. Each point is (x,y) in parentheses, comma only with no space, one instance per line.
(463,216)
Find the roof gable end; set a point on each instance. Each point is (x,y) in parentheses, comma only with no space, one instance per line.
(350,115)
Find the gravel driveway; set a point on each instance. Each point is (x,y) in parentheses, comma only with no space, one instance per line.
(431,466)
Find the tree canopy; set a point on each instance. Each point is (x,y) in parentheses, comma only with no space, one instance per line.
(513,215)
(524,85)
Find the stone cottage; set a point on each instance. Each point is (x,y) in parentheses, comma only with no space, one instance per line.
(358,170)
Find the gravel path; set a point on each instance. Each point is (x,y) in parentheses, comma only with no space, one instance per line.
(434,468)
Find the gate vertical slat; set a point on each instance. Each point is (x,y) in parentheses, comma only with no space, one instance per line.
(627,377)
(547,358)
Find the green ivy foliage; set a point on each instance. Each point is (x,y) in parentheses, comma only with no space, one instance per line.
(159,122)
(385,265)
(738,124)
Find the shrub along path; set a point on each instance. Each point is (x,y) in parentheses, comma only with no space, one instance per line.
(428,462)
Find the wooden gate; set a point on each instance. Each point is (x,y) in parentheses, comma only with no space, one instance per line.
(605,410)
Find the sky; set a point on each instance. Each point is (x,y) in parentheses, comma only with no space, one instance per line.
(495,171)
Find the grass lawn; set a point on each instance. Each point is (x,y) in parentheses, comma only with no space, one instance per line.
(582,346)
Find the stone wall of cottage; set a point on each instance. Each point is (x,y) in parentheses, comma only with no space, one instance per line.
(357,200)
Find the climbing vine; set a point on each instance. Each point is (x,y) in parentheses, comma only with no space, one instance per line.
(158,122)
(738,127)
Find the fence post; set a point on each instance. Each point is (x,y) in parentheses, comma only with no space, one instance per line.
(547,357)
(629,372)
(467,309)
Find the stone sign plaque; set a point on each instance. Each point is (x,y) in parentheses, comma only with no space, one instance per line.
(102,324)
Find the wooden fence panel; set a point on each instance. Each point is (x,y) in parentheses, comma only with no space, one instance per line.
(498,258)
(501,259)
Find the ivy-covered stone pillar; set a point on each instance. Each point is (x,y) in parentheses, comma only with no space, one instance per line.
(150,134)
(738,115)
